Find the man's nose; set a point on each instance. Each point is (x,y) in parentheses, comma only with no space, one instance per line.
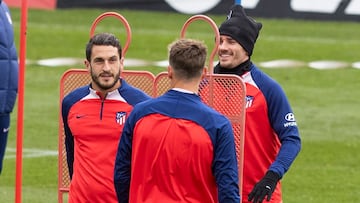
(107,65)
(222,45)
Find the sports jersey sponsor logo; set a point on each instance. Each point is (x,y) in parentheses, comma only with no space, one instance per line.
(120,117)
(290,117)
(249,101)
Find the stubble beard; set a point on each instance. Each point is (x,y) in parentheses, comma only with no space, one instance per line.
(104,85)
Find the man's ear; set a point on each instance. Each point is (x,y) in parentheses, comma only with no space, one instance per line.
(122,64)
(87,65)
(204,72)
(170,72)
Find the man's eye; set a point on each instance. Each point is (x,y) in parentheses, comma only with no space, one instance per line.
(98,62)
(113,60)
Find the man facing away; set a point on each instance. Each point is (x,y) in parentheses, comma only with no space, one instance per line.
(175,148)
(94,116)
(272,140)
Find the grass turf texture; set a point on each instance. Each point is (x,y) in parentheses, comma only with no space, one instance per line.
(325,102)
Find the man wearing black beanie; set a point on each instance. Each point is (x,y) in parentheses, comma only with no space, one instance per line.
(272,140)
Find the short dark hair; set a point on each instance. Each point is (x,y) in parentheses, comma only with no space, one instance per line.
(187,57)
(106,39)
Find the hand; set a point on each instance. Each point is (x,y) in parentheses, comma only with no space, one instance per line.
(265,187)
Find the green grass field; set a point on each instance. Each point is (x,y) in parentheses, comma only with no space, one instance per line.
(325,102)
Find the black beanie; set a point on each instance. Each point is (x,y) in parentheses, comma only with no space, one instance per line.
(241,28)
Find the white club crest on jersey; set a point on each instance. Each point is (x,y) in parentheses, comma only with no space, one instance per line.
(120,117)
(249,101)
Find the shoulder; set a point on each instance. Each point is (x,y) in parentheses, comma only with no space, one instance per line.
(264,82)
(132,94)
(261,77)
(4,5)
(6,11)
(75,95)
(210,118)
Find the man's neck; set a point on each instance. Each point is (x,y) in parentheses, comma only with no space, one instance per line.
(191,86)
(238,70)
(103,93)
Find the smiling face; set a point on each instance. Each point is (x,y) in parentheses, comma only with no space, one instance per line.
(231,53)
(104,66)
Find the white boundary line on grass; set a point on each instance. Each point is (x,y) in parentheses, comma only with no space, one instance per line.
(29,153)
(280,63)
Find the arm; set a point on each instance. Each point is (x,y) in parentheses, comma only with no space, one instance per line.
(266,186)
(69,145)
(69,140)
(225,166)
(283,122)
(122,170)
(287,154)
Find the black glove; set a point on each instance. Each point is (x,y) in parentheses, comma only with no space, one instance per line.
(265,187)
